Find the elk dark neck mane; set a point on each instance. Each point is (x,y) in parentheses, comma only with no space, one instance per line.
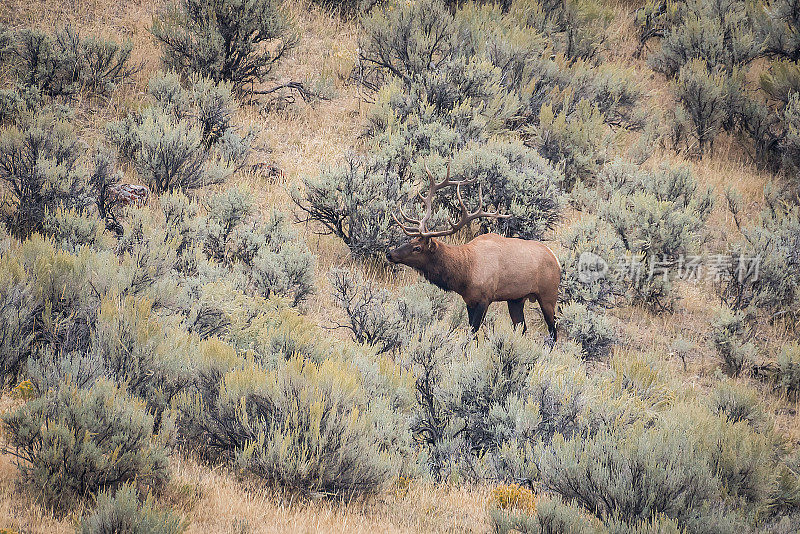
(448,267)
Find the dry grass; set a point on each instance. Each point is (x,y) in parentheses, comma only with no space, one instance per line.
(215,501)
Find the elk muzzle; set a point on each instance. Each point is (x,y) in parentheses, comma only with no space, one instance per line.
(392,256)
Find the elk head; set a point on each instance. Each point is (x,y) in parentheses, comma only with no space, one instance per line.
(417,253)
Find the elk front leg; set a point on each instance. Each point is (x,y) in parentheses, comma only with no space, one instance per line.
(476,314)
(516,311)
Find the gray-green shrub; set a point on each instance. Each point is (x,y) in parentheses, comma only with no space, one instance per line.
(721,33)
(168,154)
(186,138)
(730,332)
(306,426)
(265,250)
(371,311)
(236,41)
(790,144)
(738,403)
(65,63)
(130,346)
(631,475)
(552,516)
(516,181)
(45,301)
(39,165)
(485,78)
(387,320)
(353,202)
(704,95)
(763,275)
(71,442)
(789,367)
(659,217)
(588,268)
(121,512)
(590,329)
(781,29)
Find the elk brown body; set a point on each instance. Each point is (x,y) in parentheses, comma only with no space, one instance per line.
(490,268)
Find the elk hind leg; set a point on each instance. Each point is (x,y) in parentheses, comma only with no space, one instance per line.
(517,313)
(548,308)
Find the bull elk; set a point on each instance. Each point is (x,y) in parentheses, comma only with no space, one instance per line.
(490,268)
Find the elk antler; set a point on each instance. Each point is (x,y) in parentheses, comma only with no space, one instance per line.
(419,227)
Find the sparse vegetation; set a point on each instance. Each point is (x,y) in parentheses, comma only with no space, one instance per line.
(230,349)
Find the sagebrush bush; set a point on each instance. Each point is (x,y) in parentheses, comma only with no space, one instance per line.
(486,78)
(130,346)
(50,368)
(579,26)
(720,33)
(305,426)
(168,154)
(588,328)
(39,165)
(266,250)
(186,138)
(65,63)
(659,218)
(12,105)
(730,332)
(483,395)
(631,475)
(738,403)
(781,29)
(573,137)
(790,144)
(734,452)
(588,270)
(352,201)
(789,367)
(236,41)
(45,302)
(552,516)
(641,376)
(388,321)
(704,96)
(371,311)
(72,229)
(515,181)
(763,275)
(17,334)
(72,442)
(208,105)
(481,409)
(121,512)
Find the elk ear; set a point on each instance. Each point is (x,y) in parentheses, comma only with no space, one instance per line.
(432,244)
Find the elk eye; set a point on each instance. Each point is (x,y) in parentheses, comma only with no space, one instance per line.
(417,248)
